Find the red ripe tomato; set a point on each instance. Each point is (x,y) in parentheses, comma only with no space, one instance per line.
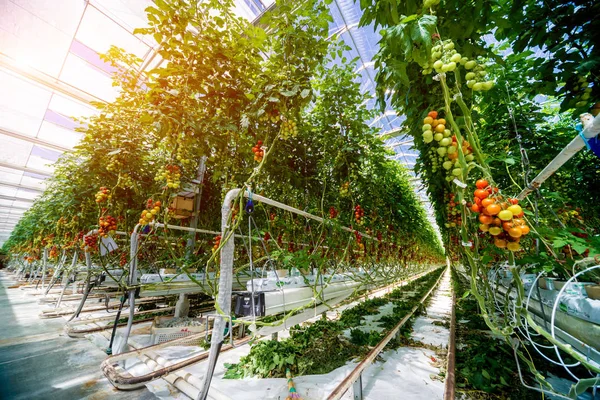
(433,114)
(475,208)
(477,201)
(507,226)
(482,194)
(481,184)
(513,201)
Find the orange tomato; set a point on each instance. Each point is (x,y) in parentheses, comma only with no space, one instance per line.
(453,156)
(482,194)
(475,208)
(497,222)
(440,128)
(477,200)
(442,121)
(434,123)
(487,202)
(524,229)
(493,209)
(428,120)
(518,222)
(485,219)
(507,225)
(433,114)
(515,232)
(500,243)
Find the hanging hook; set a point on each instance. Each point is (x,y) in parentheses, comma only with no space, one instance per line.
(249,204)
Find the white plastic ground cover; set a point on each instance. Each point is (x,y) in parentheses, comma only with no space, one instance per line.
(439,310)
(403,373)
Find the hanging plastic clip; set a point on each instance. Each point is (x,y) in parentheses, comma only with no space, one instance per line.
(249,204)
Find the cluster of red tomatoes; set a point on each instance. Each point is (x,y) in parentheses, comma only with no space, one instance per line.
(148,215)
(53,252)
(102,195)
(107,225)
(123,259)
(216,243)
(333,213)
(259,153)
(359,214)
(499,217)
(358,236)
(91,242)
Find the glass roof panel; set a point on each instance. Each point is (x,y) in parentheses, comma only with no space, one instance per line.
(34,182)
(14,151)
(99,32)
(22,30)
(59,135)
(27,194)
(22,105)
(40,164)
(8,191)
(84,76)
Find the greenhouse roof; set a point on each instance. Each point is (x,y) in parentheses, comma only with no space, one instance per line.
(50,71)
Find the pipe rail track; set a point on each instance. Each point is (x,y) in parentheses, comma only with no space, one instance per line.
(450,383)
(354,379)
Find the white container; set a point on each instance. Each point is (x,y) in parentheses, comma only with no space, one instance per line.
(161,335)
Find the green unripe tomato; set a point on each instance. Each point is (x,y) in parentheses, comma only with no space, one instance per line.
(470,64)
(438,65)
(471,83)
(445,142)
(470,76)
(456,58)
(451,149)
(487,85)
(457,171)
(447,165)
(478,86)
(438,136)
(426,127)
(441,151)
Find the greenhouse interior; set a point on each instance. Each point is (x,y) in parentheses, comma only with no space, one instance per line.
(310,199)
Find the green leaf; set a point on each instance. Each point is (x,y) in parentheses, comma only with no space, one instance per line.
(305,93)
(466,294)
(485,374)
(394,11)
(409,18)
(558,243)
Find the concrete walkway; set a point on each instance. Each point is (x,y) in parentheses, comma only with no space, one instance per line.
(37,361)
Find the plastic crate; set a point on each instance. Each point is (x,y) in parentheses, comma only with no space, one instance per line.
(161,335)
